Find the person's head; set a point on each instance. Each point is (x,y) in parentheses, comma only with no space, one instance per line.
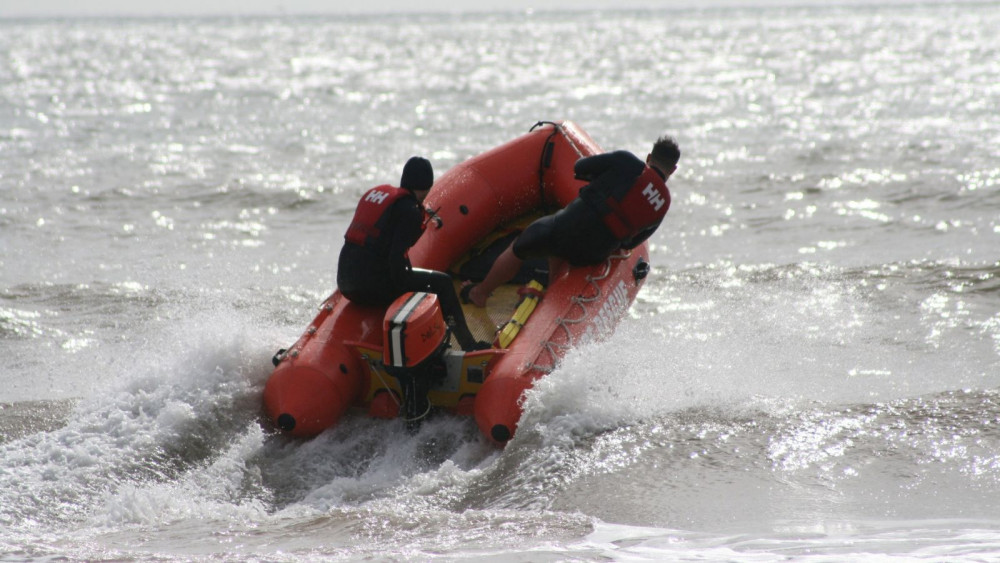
(664,156)
(418,177)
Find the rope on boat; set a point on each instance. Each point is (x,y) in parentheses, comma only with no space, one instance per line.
(554,349)
(378,373)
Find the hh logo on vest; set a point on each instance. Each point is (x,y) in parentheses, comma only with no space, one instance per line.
(641,207)
(654,196)
(371,217)
(377,196)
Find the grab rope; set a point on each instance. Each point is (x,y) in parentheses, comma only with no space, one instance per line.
(555,349)
(378,373)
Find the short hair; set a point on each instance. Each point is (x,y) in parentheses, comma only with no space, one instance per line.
(666,152)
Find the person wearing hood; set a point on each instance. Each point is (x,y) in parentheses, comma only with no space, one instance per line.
(374,269)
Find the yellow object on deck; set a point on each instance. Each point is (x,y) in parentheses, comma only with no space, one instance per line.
(521,314)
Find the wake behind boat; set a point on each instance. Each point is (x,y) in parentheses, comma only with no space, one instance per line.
(401,361)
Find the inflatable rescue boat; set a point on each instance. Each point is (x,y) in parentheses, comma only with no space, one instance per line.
(401,361)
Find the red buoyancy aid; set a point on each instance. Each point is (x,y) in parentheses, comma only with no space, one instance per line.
(371,216)
(644,204)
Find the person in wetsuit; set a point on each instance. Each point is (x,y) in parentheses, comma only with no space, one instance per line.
(374,269)
(623,203)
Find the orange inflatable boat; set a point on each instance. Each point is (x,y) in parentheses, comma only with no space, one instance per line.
(401,361)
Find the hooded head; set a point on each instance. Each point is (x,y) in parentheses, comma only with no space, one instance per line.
(418,175)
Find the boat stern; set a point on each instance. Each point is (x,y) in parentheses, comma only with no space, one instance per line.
(498,407)
(306,396)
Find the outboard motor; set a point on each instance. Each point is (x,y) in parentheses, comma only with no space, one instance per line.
(415,337)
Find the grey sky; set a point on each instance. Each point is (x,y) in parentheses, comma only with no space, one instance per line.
(22,8)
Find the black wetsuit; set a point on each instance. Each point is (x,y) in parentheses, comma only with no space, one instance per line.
(376,274)
(577,233)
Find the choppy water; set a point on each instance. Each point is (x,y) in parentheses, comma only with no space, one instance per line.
(811,372)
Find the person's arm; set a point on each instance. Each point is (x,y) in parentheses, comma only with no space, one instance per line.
(590,167)
(407,218)
(609,175)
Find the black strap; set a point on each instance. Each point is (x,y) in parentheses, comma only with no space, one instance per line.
(546,159)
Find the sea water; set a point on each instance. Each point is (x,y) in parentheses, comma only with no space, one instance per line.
(810,372)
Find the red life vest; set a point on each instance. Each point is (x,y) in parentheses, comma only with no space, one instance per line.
(370,218)
(643,205)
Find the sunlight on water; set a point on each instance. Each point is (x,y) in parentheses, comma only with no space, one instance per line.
(808,372)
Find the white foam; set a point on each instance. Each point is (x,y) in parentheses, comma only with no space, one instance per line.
(153,441)
(716,338)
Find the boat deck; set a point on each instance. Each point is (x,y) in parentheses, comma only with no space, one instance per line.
(484,322)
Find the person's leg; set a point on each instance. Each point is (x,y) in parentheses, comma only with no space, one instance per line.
(534,242)
(440,284)
(363,279)
(507,266)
